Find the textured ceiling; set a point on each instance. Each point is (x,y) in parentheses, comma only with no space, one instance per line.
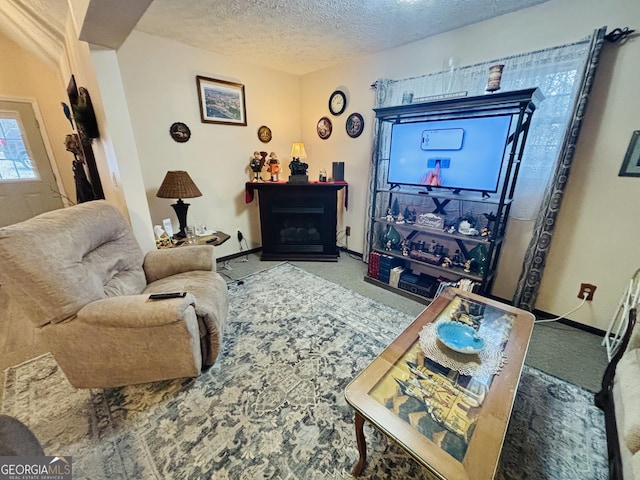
(295,36)
(301,36)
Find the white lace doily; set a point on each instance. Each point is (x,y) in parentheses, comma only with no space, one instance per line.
(488,362)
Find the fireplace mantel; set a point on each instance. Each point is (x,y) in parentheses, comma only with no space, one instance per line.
(298,221)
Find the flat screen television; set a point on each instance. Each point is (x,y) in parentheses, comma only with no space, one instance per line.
(457,154)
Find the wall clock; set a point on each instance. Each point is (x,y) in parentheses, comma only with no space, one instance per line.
(354,125)
(180,132)
(264,134)
(324,128)
(337,102)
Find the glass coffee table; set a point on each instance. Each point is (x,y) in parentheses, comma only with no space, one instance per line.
(448,408)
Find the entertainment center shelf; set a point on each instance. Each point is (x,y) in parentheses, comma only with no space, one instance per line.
(444,181)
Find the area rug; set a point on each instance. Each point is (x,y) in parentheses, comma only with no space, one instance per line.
(273,406)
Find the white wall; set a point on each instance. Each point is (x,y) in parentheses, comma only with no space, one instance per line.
(159,77)
(595,236)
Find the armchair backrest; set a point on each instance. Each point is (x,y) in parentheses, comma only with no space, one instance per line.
(59,261)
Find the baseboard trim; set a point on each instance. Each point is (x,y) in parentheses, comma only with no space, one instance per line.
(565,321)
(542,315)
(350,252)
(238,255)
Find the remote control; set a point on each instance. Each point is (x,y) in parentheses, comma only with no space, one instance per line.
(162,296)
(213,240)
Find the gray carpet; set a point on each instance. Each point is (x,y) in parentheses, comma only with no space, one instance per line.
(273,405)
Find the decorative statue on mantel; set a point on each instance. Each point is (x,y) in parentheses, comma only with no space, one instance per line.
(274,166)
(298,171)
(256,165)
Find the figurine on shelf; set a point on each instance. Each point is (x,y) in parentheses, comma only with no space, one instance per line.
(389,216)
(405,248)
(387,246)
(400,218)
(410,215)
(274,166)
(467,266)
(458,259)
(395,207)
(256,166)
(466,228)
(452,229)
(447,262)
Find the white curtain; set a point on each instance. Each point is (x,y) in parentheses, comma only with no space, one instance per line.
(553,70)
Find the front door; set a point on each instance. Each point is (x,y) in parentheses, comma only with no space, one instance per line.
(27,184)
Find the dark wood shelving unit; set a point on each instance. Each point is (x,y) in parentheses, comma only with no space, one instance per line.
(521,106)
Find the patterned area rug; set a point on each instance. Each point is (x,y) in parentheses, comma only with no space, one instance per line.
(273,405)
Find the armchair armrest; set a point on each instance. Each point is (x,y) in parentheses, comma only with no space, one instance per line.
(137,311)
(171,261)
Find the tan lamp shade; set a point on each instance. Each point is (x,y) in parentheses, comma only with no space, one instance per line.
(297,150)
(178,184)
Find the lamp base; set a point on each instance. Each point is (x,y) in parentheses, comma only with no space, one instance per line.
(181,212)
(298,179)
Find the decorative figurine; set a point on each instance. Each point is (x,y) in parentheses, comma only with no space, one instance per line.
(466,228)
(405,248)
(400,218)
(458,259)
(389,216)
(467,266)
(256,166)
(395,207)
(387,246)
(274,166)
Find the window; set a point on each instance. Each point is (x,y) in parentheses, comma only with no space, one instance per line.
(15,161)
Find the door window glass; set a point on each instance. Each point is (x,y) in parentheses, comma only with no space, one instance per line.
(15,160)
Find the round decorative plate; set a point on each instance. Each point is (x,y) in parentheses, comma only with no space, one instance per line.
(354,125)
(459,337)
(264,134)
(324,128)
(180,132)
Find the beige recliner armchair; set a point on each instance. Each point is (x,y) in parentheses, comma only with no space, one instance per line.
(80,277)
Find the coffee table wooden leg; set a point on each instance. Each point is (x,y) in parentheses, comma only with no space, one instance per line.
(362,446)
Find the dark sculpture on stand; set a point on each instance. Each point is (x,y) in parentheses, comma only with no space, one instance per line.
(84,190)
(80,110)
(298,171)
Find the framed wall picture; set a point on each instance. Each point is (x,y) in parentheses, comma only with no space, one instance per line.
(324,128)
(354,125)
(221,101)
(631,163)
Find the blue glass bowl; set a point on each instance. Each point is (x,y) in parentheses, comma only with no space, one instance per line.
(459,337)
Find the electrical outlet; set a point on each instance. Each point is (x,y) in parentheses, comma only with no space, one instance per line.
(347,231)
(588,290)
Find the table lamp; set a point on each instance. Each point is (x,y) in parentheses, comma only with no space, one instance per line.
(297,151)
(298,169)
(178,184)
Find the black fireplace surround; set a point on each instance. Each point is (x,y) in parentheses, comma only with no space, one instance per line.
(298,221)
